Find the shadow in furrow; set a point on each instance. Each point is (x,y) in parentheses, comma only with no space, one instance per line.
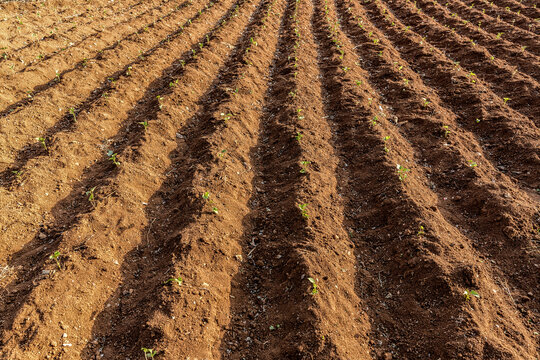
(68,212)
(21,104)
(171,211)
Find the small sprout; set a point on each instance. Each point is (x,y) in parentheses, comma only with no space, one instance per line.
(298,136)
(160,99)
(304,165)
(54,256)
(425,103)
(128,71)
(314,288)
(177,280)
(72,112)
(499,35)
(472,163)
(506,100)
(406,81)
(421,231)
(57,76)
(149,353)
(42,141)
(385,139)
(477,121)
(345,69)
(446,130)
(17,173)
(90,194)
(113,157)
(402,172)
(222,153)
(215,210)
(144,124)
(274,327)
(303,209)
(173,83)
(226,117)
(206,195)
(358,82)
(467,294)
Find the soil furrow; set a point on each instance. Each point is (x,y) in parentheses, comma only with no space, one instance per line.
(518,8)
(497,45)
(344,105)
(50,75)
(449,154)
(76,47)
(71,233)
(495,26)
(205,263)
(496,126)
(52,45)
(508,17)
(40,15)
(284,317)
(522,92)
(74,108)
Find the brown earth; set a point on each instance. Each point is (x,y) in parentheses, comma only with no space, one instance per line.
(326,179)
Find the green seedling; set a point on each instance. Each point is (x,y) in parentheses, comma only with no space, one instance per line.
(472,163)
(72,112)
(206,196)
(128,71)
(226,117)
(425,103)
(177,280)
(17,173)
(314,288)
(303,209)
(421,231)
(113,157)
(57,76)
(499,35)
(298,111)
(173,83)
(160,99)
(467,294)
(303,165)
(446,130)
(506,100)
(274,327)
(385,139)
(90,194)
(298,136)
(144,124)
(42,141)
(222,153)
(149,353)
(54,256)
(402,172)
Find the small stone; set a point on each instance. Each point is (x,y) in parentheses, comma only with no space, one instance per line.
(54,343)
(387,356)
(239,258)
(42,236)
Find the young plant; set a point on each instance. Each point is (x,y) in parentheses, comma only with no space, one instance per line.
(445,130)
(467,294)
(149,353)
(472,163)
(298,136)
(73,113)
(385,139)
(304,164)
(402,172)
(506,100)
(177,280)
(17,173)
(314,288)
(303,209)
(206,196)
(54,256)
(144,124)
(90,194)
(222,153)
(42,141)
(113,157)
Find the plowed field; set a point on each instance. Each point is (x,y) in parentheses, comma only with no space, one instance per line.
(269,179)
